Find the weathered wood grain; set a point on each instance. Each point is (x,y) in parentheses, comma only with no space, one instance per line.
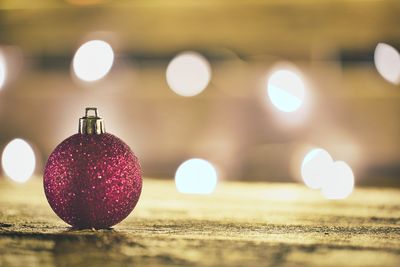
(241,224)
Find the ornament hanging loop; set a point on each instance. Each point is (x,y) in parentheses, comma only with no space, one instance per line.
(89,109)
(91,124)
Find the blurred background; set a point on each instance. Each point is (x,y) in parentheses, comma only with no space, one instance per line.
(249,86)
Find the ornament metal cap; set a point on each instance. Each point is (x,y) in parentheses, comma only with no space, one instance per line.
(91,124)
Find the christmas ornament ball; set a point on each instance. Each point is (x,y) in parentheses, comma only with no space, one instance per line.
(92,179)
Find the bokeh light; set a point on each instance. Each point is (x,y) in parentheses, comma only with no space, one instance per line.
(196,176)
(340,181)
(3,70)
(188,74)
(18,160)
(93,60)
(315,167)
(286,90)
(387,62)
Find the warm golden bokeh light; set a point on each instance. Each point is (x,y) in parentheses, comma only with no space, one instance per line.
(196,176)
(286,90)
(93,60)
(188,74)
(387,62)
(315,167)
(18,160)
(3,70)
(340,181)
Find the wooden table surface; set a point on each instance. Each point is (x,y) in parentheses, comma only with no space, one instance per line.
(240,224)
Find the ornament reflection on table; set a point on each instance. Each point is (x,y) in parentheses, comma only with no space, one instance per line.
(92,179)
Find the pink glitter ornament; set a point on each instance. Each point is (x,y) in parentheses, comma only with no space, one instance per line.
(92,179)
